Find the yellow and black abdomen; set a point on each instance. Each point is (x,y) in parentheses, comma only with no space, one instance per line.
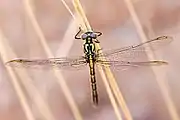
(89,50)
(93,82)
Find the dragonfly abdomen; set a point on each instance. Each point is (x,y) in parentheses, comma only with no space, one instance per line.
(93,80)
(89,50)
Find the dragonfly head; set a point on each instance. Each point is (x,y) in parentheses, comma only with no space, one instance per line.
(89,35)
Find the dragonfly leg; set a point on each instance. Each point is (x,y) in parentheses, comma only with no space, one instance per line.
(99,50)
(98,33)
(98,53)
(77,34)
(96,41)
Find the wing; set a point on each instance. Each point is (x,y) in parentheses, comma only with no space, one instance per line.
(133,56)
(125,65)
(61,63)
(135,52)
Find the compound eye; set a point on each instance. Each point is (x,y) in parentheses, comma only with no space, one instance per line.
(84,36)
(93,35)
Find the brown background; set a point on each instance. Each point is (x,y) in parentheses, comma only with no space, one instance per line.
(139,87)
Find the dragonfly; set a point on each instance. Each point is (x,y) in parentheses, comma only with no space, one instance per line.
(121,58)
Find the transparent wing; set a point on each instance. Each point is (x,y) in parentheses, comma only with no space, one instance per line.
(61,63)
(133,56)
(125,65)
(135,53)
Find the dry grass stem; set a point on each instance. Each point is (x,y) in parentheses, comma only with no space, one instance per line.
(58,75)
(108,72)
(163,86)
(14,80)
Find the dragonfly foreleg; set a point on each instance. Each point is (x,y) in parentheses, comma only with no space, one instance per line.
(98,33)
(77,34)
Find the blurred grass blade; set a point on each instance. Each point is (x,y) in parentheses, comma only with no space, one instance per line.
(58,75)
(14,80)
(163,87)
(109,74)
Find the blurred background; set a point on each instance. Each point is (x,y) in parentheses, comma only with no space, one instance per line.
(138,86)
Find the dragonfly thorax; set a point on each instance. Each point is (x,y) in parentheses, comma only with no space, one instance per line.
(89,50)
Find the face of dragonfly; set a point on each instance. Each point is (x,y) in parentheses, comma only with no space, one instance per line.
(89,35)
